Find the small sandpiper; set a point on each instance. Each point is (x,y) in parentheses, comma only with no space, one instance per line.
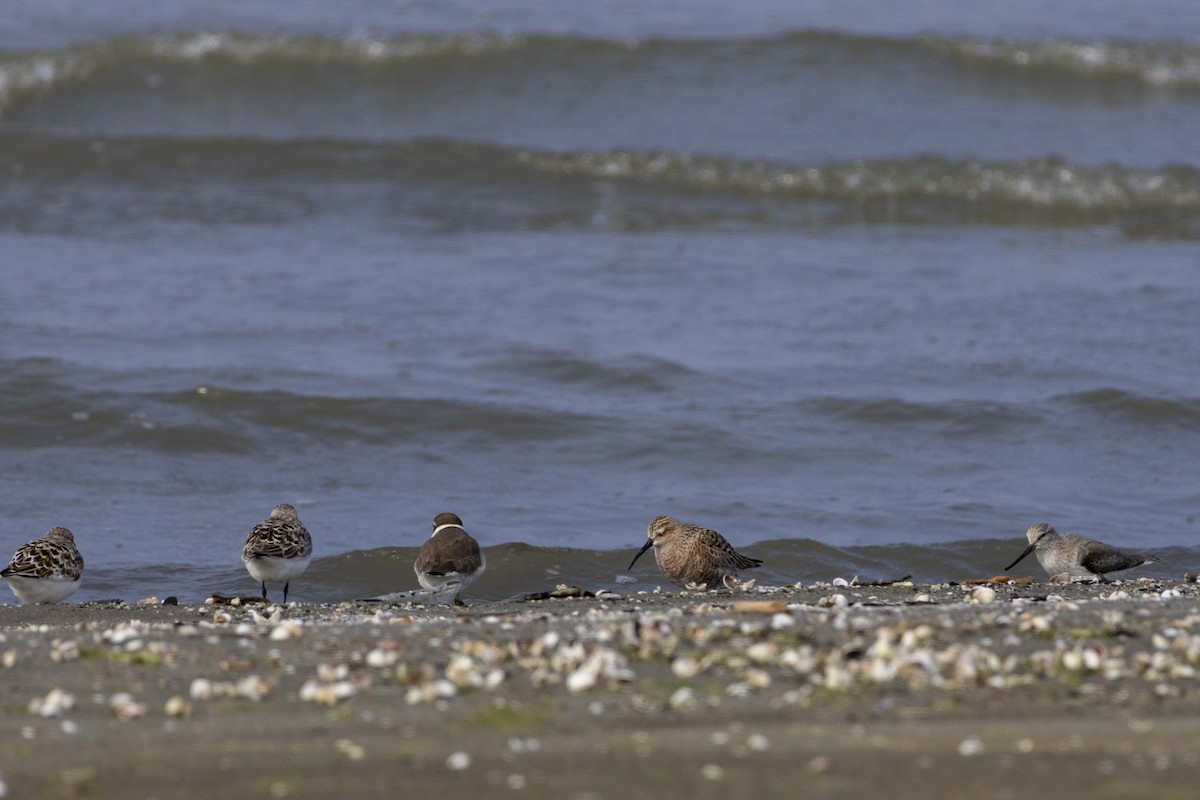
(450,560)
(693,556)
(45,570)
(277,549)
(1068,555)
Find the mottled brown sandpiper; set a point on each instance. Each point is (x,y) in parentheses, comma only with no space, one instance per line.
(690,555)
(45,570)
(277,549)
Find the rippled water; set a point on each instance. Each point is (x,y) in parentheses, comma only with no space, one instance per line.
(867,292)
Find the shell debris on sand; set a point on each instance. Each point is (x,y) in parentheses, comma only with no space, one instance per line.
(251,687)
(797,647)
(177,706)
(125,707)
(54,704)
(981,595)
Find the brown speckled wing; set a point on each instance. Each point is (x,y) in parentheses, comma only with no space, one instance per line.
(43,559)
(274,538)
(723,554)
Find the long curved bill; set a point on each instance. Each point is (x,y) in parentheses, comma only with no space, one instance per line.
(645,547)
(1028,550)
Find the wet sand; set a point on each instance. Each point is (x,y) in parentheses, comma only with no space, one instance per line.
(899,691)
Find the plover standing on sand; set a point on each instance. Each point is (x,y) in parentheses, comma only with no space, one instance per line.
(277,549)
(450,560)
(691,555)
(45,570)
(1068,555)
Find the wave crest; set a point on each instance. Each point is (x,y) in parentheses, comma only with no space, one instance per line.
(22,74)
(1170,65)
(657,189)
(25,74)
(1048,187)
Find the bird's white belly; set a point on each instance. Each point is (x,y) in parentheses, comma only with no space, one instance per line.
(276,569)
(1056,563)
(42,590)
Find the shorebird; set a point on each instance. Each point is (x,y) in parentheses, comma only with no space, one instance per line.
(45,570)
(277,549)
(1068,555)
(693,556)
(450,560)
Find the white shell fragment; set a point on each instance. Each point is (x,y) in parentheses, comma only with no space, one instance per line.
(459,761)
(981,595)
(54,704)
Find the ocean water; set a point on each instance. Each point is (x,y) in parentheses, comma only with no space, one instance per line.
(869,287)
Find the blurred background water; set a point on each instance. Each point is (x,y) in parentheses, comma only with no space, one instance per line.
(869,287)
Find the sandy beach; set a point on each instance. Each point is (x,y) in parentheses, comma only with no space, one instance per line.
(913,691)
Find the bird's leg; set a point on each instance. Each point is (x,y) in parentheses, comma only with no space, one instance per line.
(264,590)
(285,588)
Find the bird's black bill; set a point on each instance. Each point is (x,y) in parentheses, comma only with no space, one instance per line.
(645,547)
(1028,550)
